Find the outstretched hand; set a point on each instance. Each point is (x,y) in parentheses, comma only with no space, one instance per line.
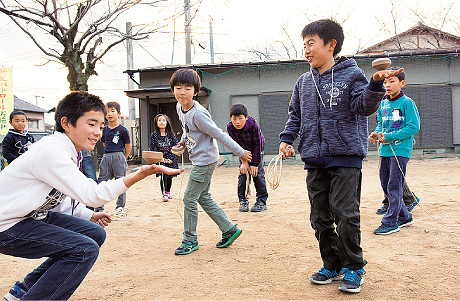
(147,170)
(382,74)
(153,169)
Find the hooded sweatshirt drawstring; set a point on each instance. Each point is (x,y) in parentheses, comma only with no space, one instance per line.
(316,86)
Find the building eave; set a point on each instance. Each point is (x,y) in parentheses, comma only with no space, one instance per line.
(159,92)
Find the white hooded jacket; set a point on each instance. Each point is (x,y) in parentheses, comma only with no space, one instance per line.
(42,178)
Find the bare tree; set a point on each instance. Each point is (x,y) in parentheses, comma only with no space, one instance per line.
(438,17)
(441,16)
(85,31)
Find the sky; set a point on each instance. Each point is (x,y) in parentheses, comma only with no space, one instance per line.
(241,29)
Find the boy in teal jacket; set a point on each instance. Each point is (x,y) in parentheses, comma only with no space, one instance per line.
(397,122)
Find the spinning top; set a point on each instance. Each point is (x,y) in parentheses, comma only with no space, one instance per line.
(381,64)
(177,150)
(152,157)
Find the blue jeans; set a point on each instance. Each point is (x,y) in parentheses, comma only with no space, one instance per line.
(71,243)
(259,183)
(87,165)
(392,179)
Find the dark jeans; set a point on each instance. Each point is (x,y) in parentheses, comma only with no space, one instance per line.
(335,195)
(71,243)
(391,179)
(165,183)
(259,183)
(408,196)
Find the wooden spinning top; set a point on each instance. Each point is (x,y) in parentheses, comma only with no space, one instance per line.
(152,157)
(381,64)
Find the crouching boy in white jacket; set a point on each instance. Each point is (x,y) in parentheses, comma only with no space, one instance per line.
(40,180)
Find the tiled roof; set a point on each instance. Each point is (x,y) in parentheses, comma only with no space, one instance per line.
(23,105)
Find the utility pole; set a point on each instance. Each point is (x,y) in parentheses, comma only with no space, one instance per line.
(211,41)
(188,33)
(130,63)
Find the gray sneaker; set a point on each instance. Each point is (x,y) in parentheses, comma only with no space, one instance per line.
(244,206)
(259,207)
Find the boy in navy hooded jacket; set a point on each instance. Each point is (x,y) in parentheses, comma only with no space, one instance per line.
(328,110)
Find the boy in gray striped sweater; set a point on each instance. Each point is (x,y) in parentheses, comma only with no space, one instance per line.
(199,136)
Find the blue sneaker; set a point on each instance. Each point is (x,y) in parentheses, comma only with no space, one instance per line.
(16,292)
(384,230)
(408,222)
(382,210)
(325,276)
(412,206)
(352,281)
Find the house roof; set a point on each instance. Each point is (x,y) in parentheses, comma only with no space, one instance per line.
(359,56)
(159,92)
(423,37)
(23,105)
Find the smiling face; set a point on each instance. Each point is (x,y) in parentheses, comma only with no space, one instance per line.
(318,54)
(19,122)
(184,94)
(239,121)
(87,130)
(393,86)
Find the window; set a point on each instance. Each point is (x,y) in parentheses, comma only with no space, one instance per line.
(32,124)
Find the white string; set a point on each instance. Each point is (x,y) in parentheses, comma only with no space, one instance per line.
(317,90)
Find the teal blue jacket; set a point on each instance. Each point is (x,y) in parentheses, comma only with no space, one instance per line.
(399,120)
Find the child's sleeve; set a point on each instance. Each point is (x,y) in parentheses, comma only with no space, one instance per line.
(126,137)
(365,96)
(8,146)
(411,123)
(292,127)
(256,148)
(174,139)
(54,167)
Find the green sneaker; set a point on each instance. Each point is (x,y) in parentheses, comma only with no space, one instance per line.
(229,236)
(187,247)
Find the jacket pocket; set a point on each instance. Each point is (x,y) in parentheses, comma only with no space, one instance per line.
(308,142)
(334,139)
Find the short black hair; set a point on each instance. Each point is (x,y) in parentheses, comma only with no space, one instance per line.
(401,76)
(327,30)
(114,104)
(15,113)
(238,109)
(185,76)
(76,104)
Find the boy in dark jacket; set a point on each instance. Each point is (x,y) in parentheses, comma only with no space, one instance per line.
(17,140)
(246,132)
(329,109)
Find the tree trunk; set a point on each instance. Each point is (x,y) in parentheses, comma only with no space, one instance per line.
(78,81)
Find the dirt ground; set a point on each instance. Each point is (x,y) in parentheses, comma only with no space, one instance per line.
(277,251)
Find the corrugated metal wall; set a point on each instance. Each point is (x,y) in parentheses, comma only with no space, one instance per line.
(434,103)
